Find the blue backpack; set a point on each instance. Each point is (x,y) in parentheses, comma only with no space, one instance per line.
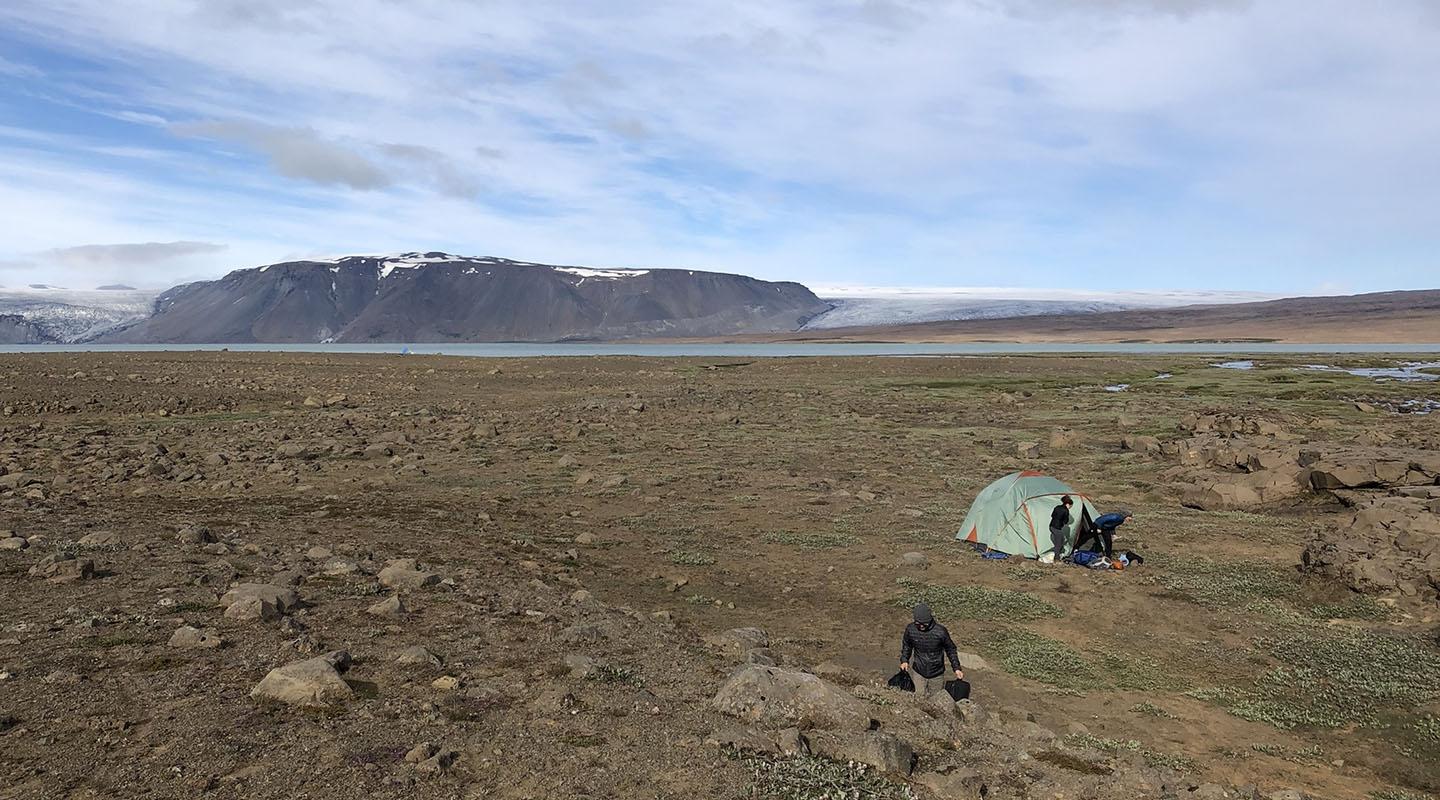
(1084,558)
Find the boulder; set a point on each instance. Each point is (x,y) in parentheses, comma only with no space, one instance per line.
(885,752)
(1140,444)
(781,698)
(391,606)
(405,574)
(738,641)
(1027,449)
(63,568)
(14,543)
(282,598)
(252,608)
(314,682)
(189,638)
(100,539)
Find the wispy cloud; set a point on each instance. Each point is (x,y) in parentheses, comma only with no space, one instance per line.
(1107,143)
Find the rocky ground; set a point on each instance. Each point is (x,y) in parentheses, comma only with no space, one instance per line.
(250,575)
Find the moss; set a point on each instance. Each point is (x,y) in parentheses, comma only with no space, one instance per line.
(977,602)
(814,778)
(811,540)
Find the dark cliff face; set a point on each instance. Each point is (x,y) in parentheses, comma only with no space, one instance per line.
(433,297)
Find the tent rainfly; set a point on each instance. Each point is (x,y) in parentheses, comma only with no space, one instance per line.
(1012,514)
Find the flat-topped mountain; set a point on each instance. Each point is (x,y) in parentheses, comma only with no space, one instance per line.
(437,297)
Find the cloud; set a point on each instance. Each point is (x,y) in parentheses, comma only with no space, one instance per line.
(435,168)
(17,70)
(129,255)
(299,153)
(1076,142)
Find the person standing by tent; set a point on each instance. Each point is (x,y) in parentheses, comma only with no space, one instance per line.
(923,650)
(1102,530)
(1059,521)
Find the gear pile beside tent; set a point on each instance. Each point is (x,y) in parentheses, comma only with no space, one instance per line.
(1012,515)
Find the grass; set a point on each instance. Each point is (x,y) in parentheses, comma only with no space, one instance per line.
(1040,658)
(1152,757)
(1152,710)
(811,540)
(1334,679)
(612,673)
(1233,584)
(977,602)
(814,778)
(691,558)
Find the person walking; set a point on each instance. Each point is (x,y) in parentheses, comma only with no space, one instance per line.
(1059,521)
(1102,531)
(923,650)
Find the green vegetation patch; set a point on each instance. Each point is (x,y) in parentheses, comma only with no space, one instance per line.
(1228,584)
(813,778)
(1040,658)
(977,602)
(1152,757)
(691,558)
(612,673)
(811,540)
(1334,680)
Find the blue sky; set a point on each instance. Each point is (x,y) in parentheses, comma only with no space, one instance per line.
(1282,146)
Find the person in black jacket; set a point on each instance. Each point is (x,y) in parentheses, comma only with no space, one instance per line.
(923,650)
(1059,521)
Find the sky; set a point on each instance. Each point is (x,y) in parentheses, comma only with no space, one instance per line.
(1283,146)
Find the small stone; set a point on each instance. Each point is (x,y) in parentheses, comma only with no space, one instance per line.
(420,752)
(914,559)
(391,606)
(417,655)
(446,683)
(100,539)
(189,638)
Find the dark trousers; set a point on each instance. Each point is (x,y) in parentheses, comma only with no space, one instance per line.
(1101,537)
(1057,540)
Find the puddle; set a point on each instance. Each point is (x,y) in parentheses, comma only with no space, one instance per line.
(1235,365)
(1409,371)
(1119,387)
(1162,376)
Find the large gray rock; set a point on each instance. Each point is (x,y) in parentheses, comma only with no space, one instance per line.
(314,682)
(782,698)
(283,598)
(885,752)
(404,573)
(63,568)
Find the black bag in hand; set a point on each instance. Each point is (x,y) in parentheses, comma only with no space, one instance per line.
(902,681)
(958,689)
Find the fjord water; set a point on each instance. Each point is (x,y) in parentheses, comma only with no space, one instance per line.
(742,350)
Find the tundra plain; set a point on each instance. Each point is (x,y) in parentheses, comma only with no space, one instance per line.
(522,578)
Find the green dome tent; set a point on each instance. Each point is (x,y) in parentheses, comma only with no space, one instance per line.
(1012,515)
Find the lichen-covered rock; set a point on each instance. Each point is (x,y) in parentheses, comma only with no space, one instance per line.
(782,698)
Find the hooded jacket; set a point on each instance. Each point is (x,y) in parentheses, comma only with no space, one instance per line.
(926,650)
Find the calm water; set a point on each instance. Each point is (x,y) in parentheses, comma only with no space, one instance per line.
(507,350)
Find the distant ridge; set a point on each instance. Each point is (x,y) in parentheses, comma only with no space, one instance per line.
(438,297)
